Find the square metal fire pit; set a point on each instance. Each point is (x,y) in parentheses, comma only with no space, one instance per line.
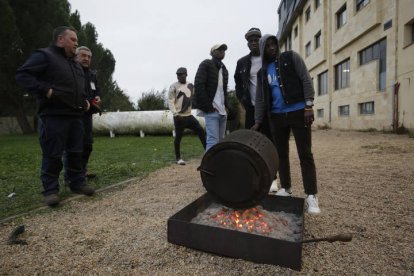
(236,244)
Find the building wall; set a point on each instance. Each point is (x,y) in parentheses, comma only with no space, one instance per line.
(405,68)
(379,19)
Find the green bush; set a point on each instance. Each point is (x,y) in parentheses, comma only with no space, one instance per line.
(152,100)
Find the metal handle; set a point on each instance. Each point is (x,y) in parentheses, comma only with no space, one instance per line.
(204,171)
(340,237)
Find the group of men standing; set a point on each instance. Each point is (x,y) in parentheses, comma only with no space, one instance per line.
(68,95)
(276,92)
(274,88)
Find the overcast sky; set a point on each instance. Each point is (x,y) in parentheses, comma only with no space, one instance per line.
(151,39)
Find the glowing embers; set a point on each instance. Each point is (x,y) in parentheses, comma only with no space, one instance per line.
(256,220)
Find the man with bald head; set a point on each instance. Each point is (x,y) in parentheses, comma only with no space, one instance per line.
(58,81)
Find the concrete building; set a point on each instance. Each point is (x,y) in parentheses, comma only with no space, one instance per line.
(360,54)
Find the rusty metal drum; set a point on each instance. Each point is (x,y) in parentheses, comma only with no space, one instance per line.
(238,171)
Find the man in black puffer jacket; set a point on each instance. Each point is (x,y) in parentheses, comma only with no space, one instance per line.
(59,83)
(210,94)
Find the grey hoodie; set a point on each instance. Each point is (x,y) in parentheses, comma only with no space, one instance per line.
(263,93)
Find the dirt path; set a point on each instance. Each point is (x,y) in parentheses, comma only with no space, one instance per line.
(366,187)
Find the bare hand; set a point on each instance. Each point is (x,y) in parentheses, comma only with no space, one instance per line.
(309,116)
(256,127)
(87,106)
(49,93)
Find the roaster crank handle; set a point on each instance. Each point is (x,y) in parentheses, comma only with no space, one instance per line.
(340,237)
(204,171)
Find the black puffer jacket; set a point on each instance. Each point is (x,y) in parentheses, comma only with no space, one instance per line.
(241,78)
(206,82)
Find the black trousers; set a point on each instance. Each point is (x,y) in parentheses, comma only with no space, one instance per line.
(282,125)
(57,135)
(180,124)
(87,141)
(250,121)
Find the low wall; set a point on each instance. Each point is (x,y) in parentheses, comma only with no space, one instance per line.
(9,125)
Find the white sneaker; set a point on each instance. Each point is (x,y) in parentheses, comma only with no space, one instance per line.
(312,205)
(180,162)
(273,188)
(284,192)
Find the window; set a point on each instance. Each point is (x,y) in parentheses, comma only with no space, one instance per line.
(319,113)
(342,75)
(323,83)
(317,4)
(361,3)
(296,31)
(412,32)
(366,108)
(318,40)
(377,50)
(308,49)
(341,17)
(307,14)
(387,25)
(289,42)
(343,110)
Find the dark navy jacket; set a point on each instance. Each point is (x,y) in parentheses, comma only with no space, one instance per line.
(50,68)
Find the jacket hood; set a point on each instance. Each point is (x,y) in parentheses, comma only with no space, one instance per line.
(262,44)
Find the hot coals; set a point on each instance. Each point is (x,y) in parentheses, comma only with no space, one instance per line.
(256,220)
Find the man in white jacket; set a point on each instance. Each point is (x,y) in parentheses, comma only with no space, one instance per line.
(179,101)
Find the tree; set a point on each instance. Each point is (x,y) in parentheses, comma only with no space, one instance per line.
(153,100)
(11,98)
(25,28)
(115,99)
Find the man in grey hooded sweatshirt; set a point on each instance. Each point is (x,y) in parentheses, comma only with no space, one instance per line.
(284,97)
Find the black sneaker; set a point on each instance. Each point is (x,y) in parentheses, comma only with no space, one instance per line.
(52,200)
(83,190)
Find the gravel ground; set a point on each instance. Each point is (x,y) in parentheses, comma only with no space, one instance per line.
(365,188)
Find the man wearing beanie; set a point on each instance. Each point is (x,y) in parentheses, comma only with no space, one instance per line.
(179,101)
(245,78)
(211,94)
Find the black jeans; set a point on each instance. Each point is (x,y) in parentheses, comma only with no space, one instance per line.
(282,124)
(180,124)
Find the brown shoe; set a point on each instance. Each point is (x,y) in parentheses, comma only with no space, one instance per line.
(83,190)
(89,175)
(52,200)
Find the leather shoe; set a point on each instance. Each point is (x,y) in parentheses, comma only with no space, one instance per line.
(52,200)
(83,190)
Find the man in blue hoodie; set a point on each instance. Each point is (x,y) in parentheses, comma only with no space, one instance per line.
(284,97)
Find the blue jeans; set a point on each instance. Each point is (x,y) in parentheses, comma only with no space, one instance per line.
(215,128)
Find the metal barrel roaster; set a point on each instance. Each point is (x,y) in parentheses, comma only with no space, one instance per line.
(239,170)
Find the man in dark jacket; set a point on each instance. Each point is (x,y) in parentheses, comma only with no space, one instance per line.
(59,83)
(210,88)
(93,95)
(285,97)
(245,76)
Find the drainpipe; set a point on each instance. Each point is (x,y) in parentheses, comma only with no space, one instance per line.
(395,107)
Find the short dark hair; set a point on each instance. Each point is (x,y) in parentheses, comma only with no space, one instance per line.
(60,30)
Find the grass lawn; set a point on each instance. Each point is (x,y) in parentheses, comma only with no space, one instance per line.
(113,160)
